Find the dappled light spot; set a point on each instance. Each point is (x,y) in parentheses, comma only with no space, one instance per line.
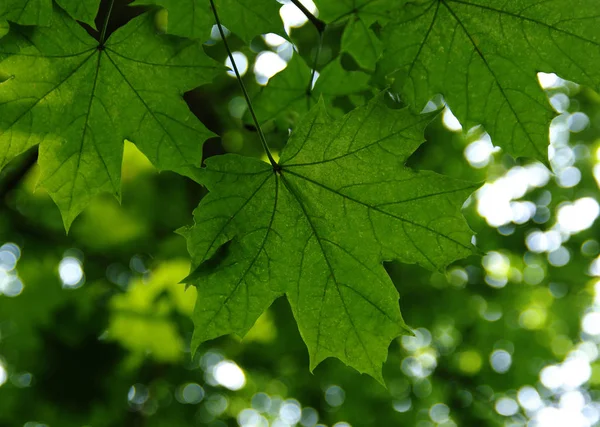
(9,255)
(569,177)
(267,65)
(494,199)
(309,418)
(591,323)
(506,406)
(335,395)
(559,257)
(549,80)
(3,374)
(533,318)
(71,273)
(450,120)
(539,241)
(578,216)
(229,375)
(529,398)
(560,102)
(273,40)
(578,121)
(261,402)
(402,405)
(479,153)
(241,62)
(138,394)
(251,418)
(293,17)
(497,266)
(500,360)
(470,362)
(290,412)
(215,34)
(439,413)
(216,404)
(190,393)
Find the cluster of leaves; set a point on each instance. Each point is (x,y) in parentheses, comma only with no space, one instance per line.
(317,224)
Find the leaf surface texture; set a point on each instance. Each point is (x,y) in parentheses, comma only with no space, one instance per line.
(319,230)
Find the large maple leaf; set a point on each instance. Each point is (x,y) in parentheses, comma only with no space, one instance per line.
(318,227)
(80,99)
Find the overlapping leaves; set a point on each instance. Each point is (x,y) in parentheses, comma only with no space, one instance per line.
(80,99)
(246,18)
(484,55)
(39,12)
(317,229)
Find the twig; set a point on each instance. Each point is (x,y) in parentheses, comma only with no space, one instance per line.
(319,25)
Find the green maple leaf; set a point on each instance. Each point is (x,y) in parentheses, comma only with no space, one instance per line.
(358,38)
(289,89)
(245,18)
(318,228)
(484,55)
(39,12)
(80,99)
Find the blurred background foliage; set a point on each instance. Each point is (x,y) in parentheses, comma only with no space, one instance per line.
(95,328)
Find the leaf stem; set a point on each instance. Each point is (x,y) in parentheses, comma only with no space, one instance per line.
(261,135)
(105,26)
(319,25)
(314,67)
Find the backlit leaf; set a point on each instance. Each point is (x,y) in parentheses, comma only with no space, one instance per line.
(484,55)
(319,229)
(80,99)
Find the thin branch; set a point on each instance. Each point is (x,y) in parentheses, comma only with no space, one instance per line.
(261,135)
(309,89)
(319,25)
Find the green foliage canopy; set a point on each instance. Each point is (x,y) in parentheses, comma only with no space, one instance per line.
(317,224)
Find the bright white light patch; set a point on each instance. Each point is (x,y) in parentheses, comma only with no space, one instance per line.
(591,323)
(494,199)
(229,375)
(273,39)
(500,361)
(3,375)
(479,153)
(241,62)
(578,216)
(293,17)
(506,406)
(290,412)
(71,272)
(549,80)
(529,398)
(267,65)
(450,121)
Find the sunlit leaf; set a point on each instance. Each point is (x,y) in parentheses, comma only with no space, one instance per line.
(319,229)
(289,90)
(79,99)
(483,56)
(245,18)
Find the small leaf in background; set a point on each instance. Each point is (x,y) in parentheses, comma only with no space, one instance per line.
(142,319)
